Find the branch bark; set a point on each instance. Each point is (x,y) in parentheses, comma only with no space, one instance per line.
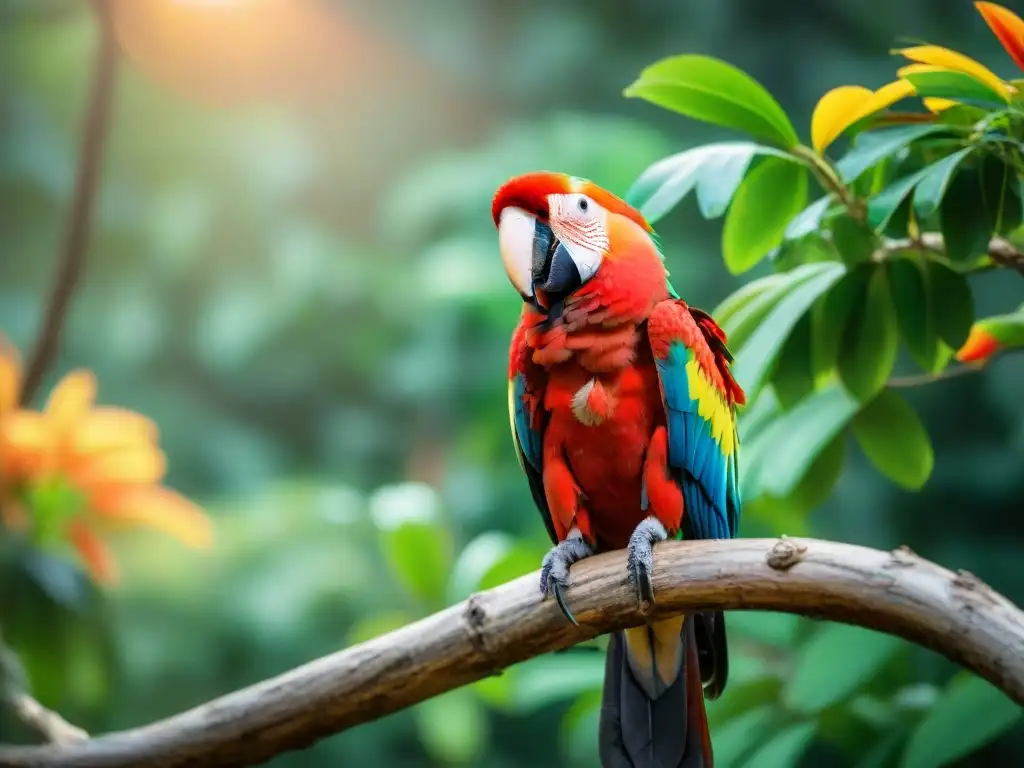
(76,237)
(894,592)
(1002,252)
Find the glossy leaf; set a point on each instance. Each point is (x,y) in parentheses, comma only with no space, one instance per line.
(757,355)
(912,300)
(708,89)
(818,483)
(740,735)
(892,436)
(737,301)
(714,170)
(743,697)
(883,206)
(780,456)
(808,219)
(875,146)
(419,554)
(834,663)
(953,304)
(967,222)
(870,341)
(770,196)
(969,713)
(793,378)
(932,187)
(855,242)
(828,318)
(453,727)
(545,680)
(785,748)
(949,84)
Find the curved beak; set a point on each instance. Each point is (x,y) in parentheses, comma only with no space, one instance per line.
(555,274)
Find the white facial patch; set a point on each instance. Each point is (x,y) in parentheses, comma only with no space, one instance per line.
(582,226)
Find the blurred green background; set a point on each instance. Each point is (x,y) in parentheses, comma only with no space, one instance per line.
(294,272)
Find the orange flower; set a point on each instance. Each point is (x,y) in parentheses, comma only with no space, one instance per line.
(1007,26)
(108,457)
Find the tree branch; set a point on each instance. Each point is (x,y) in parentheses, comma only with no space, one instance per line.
(895,592)
(76,237)
(14,693)
(1002,252)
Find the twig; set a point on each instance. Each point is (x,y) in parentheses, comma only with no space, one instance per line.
(14,693)
(919,379)
(894,592)
(1000,250)
(76,237)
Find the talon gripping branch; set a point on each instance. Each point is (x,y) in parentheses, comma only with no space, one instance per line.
(623,414)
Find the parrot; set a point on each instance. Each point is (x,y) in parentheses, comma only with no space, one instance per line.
(623,412)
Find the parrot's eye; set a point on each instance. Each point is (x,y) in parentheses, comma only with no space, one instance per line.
(583,205)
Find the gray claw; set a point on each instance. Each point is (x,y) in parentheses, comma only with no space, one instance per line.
(554,570)
(640,560)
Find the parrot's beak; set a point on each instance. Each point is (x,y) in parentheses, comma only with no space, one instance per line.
(540,266)
(554,272)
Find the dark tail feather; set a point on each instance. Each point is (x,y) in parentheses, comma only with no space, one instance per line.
(666,731)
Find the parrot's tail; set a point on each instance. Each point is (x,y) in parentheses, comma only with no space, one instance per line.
(652,709)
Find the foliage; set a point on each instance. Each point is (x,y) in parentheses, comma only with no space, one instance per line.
(817,341)
(304,301)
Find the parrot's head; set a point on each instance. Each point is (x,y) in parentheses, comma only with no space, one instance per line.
(557,232)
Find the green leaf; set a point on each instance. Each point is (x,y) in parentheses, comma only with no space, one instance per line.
(793,379)
(949,84)
(884,205)
(419,554)
(781,455)
(911,297)
(715,170)
(968,714)
(855,242)
(874,146)
(737,737)
(742,318)
(808,219)
(708,89)
(756,357)
(1000,200)
(893,437)
(786,748)
(453,727)
(828,318)
(952,303)
(966,221)
(834,663)
(742,698)
(932,187)
(743,297)
(821,477)
(771,195)
(546,680)
(870,339)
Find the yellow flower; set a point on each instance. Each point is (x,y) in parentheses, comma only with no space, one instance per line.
(1007,26)
(934,58)
(108,456)
(841,107)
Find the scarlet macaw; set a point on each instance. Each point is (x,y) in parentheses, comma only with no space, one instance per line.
(623,413)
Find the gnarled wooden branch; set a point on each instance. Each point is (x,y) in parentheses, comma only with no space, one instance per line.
(895,592)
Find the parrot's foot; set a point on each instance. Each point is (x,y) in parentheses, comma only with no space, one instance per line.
(554,569)
(640,561)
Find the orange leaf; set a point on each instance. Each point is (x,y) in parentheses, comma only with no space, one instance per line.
(163,510)
(1007,26)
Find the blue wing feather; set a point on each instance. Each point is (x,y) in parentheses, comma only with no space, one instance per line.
(707,473)
(529,443)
